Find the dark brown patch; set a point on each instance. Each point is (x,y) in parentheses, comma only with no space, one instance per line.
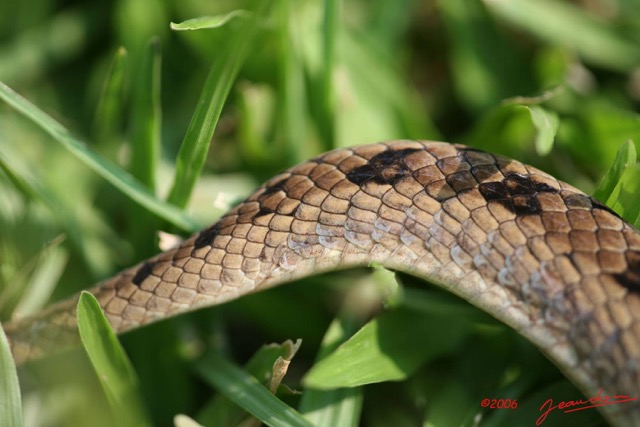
(386,167)
(518,184)
(274,188)
(526,205)
(461,181)
(206,237)
(541,187)
(630,278)
(475,157)
(516,192)
(263,211)
(483,173)
(493,190)
(142,273)
(363,173)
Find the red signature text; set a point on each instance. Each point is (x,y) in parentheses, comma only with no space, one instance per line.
(579,405)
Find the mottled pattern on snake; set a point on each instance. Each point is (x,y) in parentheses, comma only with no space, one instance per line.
(536,253)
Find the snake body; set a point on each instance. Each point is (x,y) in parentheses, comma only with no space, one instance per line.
(534,252)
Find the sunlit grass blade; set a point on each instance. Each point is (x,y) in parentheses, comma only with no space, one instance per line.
(620,187)
(546,123)
(146,117)
(336,407)
(113,369)
(247,392)
(343,406)
(109,171)
(208,22)
(265,365)
(625,198)
(107,120)
(195,145)
(565,24)
(625,158)
(390,347)
(10,400)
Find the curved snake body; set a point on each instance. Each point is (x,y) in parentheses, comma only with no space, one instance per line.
(536,253)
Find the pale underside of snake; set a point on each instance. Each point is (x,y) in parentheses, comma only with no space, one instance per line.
(536,253)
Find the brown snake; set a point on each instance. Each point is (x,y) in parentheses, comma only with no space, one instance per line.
(536,253)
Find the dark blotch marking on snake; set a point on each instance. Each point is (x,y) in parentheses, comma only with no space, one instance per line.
(630,278)
(387,167)
(263,211)
(516,193)
(142,273)
(493,191)
(518,184)
(276,187)
(461,181)
(206,237)
(541,187)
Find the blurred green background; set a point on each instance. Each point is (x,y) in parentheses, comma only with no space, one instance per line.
(548,82)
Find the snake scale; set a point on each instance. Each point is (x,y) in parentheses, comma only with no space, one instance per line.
(536,253)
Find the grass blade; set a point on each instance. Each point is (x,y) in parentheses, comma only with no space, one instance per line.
(109,171)
(337,407)
(195,146)
(146,118)
(10,401)
(620,187)
(112,366)
(385,349)
(624,198)
(208,22)
(546,123)
(625,158)
(265,365)
(247,392)
(109,112)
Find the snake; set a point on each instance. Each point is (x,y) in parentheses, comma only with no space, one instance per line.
(536,253)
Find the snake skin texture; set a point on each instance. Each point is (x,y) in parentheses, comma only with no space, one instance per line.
(534,252)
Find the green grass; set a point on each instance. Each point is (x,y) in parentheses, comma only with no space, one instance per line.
(113,127)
